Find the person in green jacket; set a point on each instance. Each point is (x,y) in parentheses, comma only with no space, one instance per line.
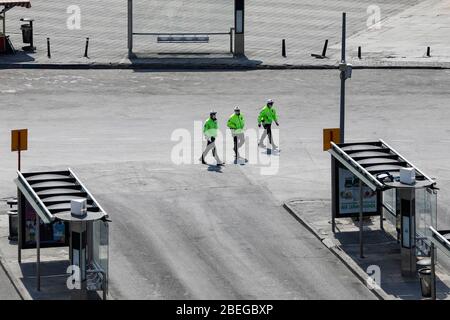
(210,131)
(267,115)
(236,123)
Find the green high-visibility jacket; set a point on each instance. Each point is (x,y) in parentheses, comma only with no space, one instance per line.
(236,123)
(267,115)
(210,128)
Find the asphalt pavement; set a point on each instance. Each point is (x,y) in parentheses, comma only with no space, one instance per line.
(189,230)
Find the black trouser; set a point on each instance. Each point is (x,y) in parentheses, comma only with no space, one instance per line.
(268,128)
(211,140)
(239,140)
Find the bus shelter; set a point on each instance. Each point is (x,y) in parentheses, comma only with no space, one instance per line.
(366,181)
(55,209)
(237,47)
(6,5)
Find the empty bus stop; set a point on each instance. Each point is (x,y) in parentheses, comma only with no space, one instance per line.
(56,210)
(387,185)
(233,35)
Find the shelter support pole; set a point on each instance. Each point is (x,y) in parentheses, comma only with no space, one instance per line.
(38,253)
(361,221)
(239,28)
(381,218)
(19,226)
(130,28)
(333,197)
(433,272)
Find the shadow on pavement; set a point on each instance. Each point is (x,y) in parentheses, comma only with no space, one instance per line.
(19,56)
(191,60)
(53,280)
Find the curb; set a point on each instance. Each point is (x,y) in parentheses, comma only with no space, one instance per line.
(206,66)
(21,291)
(337,251)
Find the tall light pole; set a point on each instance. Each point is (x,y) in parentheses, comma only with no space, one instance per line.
(346,73)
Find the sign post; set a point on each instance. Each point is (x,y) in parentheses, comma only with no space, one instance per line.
(346,73)
(331,135)
(19,142)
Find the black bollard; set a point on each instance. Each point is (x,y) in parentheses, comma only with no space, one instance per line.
(428,52)
(86,48)
(49,55)
(324,51)
(359,52)
(283,48)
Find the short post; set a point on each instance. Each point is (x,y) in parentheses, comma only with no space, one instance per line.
(283,48)
(49,55)
(86,48)
(428,52)
(359,52)
(433,272)
(361,221)
(325,47)
(231,39)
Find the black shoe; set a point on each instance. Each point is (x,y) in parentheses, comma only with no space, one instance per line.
(202,160)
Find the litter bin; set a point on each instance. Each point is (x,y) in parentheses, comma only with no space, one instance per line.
(423,263)
(27,33)
(425,282)
(13,225)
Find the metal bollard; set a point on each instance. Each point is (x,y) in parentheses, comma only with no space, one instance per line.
(428,52)
(325,46)
(359,52)
(49,55)
(86,48)
(283,48)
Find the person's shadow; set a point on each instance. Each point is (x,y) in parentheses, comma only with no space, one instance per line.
(215,168)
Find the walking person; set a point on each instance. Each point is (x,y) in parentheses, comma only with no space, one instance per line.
(267,115)
(210,131)
(236,123)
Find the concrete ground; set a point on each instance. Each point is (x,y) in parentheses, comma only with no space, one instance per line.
(304,24)
(7,291)
(404,37)
(115,128)
(380,249)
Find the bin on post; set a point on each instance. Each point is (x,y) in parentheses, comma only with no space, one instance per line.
(423,263)
(13,225)
(26,33)
(425,282)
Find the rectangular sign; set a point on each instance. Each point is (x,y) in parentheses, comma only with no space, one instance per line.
(52,235)
(349,194)
(331,135)
(19,140)
(346,197)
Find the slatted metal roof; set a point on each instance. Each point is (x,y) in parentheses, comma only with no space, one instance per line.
(50,194)
(368,159)
(15,3)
